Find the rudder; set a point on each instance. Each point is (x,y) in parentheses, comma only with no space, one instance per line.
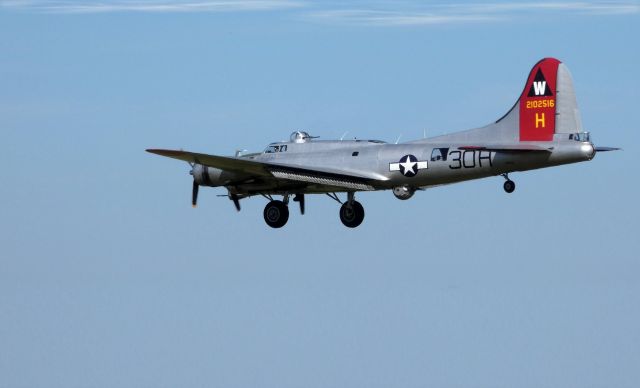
(538,102)
(548,103)
(546,107)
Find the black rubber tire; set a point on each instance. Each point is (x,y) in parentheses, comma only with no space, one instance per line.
(276,214)
(351,216)
(509,186)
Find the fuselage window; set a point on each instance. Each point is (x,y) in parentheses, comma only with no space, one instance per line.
(580,136)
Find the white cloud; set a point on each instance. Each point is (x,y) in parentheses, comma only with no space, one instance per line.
(584,7)
(398,18)
(365,12)
(405,14)
(150,5)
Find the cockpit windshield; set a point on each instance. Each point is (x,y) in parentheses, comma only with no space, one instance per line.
(272,149)
(583,137)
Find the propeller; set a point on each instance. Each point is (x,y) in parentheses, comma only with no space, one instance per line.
(196,186)
(234,197)
(236,200)
(300,198)
(194,194)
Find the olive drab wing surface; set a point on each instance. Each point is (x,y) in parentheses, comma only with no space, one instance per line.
(542,129)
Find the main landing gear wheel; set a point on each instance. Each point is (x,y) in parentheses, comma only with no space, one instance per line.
(276,214)
(351,214)
(509,186)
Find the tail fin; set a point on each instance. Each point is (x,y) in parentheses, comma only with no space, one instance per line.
(548,103)
(547,106)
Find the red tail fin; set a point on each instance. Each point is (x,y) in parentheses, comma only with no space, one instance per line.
(538,102)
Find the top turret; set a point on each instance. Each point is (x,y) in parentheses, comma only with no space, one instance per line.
(300,137)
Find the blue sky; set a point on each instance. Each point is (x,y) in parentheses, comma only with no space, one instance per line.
(108,277)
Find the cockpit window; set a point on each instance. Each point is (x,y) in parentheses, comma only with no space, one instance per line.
(439,154)
(272,149)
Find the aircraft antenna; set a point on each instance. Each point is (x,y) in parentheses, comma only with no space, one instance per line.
(343,135)
(398,139)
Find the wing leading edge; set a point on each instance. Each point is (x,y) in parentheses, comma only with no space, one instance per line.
(238,165)
(507,148)
(276,171)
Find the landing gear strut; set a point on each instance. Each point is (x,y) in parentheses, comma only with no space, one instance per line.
(300,198)
(509,185)
(351,212)
(276,214)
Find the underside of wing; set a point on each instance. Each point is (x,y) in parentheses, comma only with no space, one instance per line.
(278,172)
(507,148)
(322,178)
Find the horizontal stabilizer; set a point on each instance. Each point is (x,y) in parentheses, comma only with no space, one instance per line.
(605,149)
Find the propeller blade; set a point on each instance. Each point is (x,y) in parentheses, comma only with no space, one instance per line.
(236,201)
(300,199)
(194,194)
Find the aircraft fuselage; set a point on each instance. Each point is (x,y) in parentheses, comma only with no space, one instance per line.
(428,164)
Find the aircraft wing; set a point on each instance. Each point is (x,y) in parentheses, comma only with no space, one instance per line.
(244,166)
(507,148)
(238,165)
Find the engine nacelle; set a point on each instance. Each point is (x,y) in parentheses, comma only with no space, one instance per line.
(403,192)
(209,176)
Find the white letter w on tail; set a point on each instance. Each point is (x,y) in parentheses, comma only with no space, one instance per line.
(539,87)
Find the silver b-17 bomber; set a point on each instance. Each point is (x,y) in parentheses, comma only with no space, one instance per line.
(542,129)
